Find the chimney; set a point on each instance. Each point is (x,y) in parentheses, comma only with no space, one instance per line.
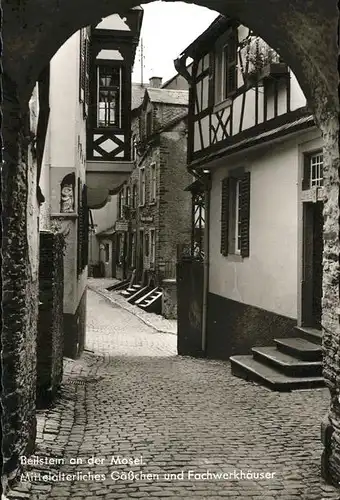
(155,82)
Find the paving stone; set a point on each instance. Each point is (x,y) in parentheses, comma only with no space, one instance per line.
(137,397)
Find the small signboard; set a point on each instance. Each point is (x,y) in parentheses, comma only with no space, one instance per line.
(121,226)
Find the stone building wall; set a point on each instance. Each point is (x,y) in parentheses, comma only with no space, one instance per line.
(170,214)
(19,266)
(50,323)
(175,203)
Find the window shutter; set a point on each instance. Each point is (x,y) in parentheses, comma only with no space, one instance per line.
(80,228)
(82,56)
(85,228)
(231,65)
(225,216)
(306,172)
(211,95)
(86,75)
(245,214)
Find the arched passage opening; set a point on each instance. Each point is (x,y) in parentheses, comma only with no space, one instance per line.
(303,35)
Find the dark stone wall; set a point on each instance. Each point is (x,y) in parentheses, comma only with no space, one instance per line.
(50,322)
(234,328)
(169,298)
(174,203)
(74,330)
(331,294)
(189,307)
(19,288)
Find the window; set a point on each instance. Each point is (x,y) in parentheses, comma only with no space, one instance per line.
(109,98)
(133,148)
(133,250)
(316,170)
(141,244)
(148,123)
(146,244)
(226,69)
(235,215)
(128,197)
(152,246)
(107,252)
(134,196)
(198,222)
(152,183)
(119,248)
(142,186)
(121,204)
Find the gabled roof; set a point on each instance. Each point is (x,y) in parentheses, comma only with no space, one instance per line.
(203,42)
(140,93)
(165,96)
(167,83)
(137,95)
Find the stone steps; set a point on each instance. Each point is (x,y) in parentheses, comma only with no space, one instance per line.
(308,333)
(248,368)
(152,301)
(293,363)
(287,364)
(300,348)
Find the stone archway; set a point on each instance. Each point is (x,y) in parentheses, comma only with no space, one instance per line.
(303,32)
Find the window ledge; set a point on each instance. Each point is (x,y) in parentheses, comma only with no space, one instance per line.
(65,215)
(226,103)
(234,257)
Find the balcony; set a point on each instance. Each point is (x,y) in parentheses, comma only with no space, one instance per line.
(105,178)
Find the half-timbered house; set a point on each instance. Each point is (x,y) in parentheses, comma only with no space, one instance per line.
(254,147)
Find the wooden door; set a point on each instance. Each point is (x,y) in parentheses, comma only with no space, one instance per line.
(312,264)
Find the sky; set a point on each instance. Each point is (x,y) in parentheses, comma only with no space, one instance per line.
(167,29)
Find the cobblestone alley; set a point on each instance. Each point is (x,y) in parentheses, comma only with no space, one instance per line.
(131,396)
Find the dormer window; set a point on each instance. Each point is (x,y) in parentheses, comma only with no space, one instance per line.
(109,96)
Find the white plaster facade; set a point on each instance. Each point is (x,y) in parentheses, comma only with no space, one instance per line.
(65,153)
(270,277)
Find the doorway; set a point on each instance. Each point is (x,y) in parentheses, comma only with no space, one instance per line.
(312,264)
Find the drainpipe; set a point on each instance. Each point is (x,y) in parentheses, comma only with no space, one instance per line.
(206,263)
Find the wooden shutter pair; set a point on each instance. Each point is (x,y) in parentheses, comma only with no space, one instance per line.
(245,214)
